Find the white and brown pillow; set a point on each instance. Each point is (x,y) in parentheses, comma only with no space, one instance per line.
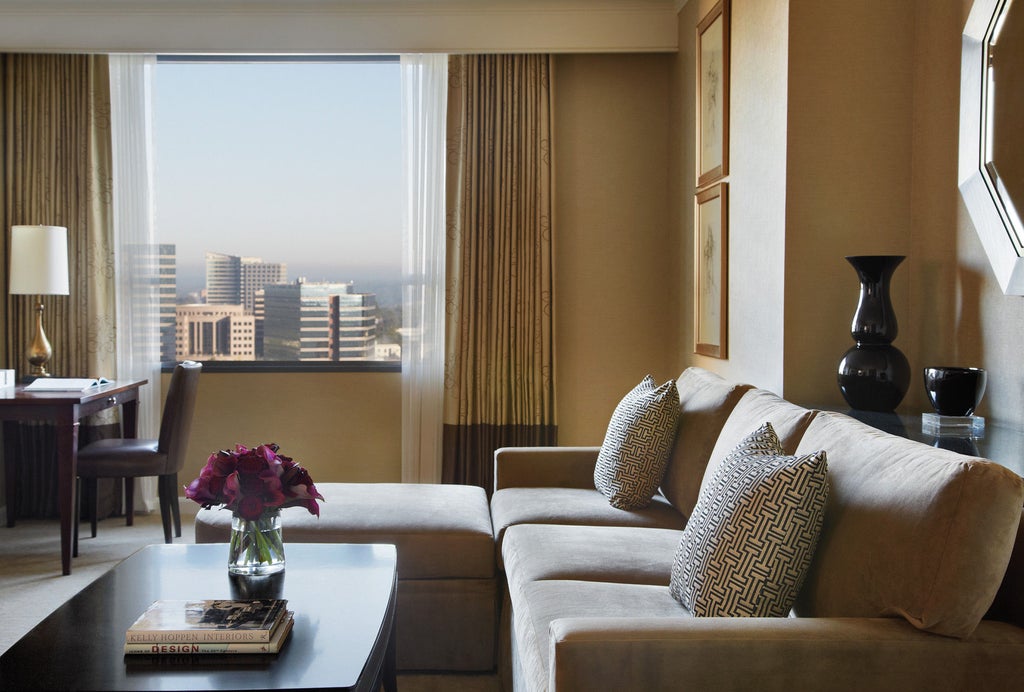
(747,547)
(637,445)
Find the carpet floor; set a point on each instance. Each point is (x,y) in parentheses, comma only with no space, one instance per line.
(32,587)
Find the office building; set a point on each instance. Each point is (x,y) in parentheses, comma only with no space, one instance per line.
(318,321)
(254,275)
(214,332)
(167,291)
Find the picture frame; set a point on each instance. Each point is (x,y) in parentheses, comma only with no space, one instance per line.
(713,95)
(711,271)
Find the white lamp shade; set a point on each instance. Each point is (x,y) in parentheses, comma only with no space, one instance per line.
(39,260)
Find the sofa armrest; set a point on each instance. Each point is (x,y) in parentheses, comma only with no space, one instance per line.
(777,654)
(544,467)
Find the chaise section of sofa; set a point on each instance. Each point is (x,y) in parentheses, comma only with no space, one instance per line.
(447,589)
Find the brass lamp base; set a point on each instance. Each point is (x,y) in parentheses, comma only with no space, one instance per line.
(39,351)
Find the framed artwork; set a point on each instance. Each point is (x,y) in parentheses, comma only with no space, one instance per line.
(713,95)
(711,271)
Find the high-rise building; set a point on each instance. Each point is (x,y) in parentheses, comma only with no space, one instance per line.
(255,274)
(214,332)
(167,292)
(223,279)
(318,321)
(233,280)
(259,313)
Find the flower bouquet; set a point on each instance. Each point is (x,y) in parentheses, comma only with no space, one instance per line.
(254,484)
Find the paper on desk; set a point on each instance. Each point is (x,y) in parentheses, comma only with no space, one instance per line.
(64,384)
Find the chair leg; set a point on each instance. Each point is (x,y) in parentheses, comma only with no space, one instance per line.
(129,501)
(172,491)
(165,506)
(94,503)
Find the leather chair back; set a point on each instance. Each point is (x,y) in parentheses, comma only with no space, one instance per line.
(176,424)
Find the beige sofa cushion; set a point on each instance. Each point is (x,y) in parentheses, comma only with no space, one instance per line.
(621,554)
(574,506)
(441,531)
(910,530)
(705,402)
(755,407)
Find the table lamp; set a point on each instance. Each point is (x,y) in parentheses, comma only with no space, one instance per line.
(39,266)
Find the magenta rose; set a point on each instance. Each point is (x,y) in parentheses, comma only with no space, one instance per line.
(251,481)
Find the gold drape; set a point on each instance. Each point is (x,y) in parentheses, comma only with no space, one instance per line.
(56,170)
(499,363)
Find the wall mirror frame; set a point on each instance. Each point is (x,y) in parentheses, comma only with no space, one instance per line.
(985,153)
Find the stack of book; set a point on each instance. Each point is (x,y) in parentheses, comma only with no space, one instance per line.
(256,626)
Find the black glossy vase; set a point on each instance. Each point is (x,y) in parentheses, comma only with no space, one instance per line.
(874,374)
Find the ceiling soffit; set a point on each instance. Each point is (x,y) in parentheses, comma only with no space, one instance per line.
(338,26)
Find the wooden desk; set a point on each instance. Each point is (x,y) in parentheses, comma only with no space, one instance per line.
(343,597)
(64,409)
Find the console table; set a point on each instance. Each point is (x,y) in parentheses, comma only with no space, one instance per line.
(65,410)
(1000,444)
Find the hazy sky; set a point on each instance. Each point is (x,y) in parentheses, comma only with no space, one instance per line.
(295,162)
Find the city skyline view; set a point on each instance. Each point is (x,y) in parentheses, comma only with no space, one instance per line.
(250,310)
(296,163)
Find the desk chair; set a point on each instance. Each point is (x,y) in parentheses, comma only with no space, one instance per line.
(132,458)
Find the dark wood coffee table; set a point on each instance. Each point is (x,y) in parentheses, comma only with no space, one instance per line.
(343,597)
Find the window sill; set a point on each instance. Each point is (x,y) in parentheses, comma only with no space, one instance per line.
(294,366)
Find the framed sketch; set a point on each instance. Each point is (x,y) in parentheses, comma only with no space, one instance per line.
(711,271)
(713,95)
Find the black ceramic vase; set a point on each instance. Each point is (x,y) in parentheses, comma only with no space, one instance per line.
(874,374)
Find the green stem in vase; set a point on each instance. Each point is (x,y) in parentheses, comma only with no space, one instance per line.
(257,542)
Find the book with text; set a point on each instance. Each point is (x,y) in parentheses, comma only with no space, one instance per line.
(217,647)
(170,621)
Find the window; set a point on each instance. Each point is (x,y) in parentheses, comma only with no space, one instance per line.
(278,198)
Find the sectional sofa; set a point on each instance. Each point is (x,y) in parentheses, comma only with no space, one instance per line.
(915,581)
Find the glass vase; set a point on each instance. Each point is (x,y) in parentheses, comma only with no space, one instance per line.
(256,546)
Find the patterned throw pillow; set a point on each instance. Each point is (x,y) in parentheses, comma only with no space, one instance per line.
(746,549)
(636,447)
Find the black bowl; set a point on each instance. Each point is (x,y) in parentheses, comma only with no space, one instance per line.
(955,391)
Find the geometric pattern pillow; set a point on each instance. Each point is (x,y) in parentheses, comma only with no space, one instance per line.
(748,545)
(637,445)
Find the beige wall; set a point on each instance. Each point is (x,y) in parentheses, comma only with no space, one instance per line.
(757,189)
(871,114)
(340,426)
(616,311)
(874,117)
(848,180)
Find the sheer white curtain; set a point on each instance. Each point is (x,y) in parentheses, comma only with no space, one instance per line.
(424,109)
(135,249)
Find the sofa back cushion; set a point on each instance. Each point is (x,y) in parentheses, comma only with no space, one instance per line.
(910,530)
(756,407)
(705,402)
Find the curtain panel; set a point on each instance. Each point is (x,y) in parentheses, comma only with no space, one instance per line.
(424,103)
(136,273)
(56,170)
(499,360)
